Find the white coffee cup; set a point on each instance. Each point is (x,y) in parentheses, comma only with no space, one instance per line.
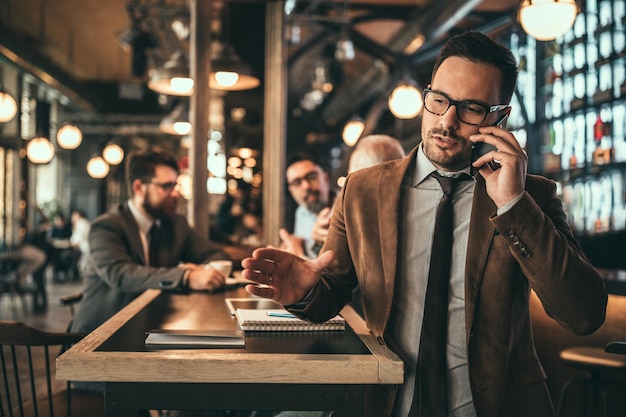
(224,266)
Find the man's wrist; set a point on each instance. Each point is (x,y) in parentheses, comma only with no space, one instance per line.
(184,282)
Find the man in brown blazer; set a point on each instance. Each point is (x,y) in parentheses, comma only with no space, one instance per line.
(510,236)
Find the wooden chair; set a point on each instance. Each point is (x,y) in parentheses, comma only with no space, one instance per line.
(28,387)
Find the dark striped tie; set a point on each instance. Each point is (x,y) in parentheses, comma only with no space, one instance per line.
(431,392)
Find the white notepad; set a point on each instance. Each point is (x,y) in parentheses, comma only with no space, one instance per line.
(282,320)
(195,339)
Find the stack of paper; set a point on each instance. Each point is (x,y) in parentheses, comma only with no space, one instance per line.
(195,339)
(282,320)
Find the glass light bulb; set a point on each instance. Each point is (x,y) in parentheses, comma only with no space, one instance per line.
(546,20)
(40,150)
(113,154)
(69,137)
(226,78)
(182,85)
(8,107)
(352,131)
(182,128)
(405,101)
(97,167)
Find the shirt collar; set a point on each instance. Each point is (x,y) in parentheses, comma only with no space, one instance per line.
(424,167)
(144,221)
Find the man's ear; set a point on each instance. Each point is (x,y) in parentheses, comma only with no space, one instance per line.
(137,187)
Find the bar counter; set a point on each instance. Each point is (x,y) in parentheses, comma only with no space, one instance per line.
(275,370)
(615,280)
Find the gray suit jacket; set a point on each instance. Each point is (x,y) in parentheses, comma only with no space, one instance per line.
(116,273)
(529,247)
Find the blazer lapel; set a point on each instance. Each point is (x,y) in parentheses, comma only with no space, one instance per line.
(481,233)
(389,190)
(133,234)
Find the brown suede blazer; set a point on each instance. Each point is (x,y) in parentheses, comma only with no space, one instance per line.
(529,247)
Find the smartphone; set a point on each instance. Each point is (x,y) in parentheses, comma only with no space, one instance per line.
(482,148)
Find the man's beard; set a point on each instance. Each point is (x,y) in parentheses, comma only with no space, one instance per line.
(157,211)
(456,161)
(315,206)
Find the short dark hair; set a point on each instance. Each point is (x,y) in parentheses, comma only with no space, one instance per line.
(303,156)
(141,165)
(477,47)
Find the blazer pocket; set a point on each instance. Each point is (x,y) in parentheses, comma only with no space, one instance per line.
(528,372)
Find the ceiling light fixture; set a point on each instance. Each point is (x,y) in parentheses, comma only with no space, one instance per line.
(230,73)
(173,77)
(97,167)
(69,137)
(177,122)
(39,150)
(546,20)
(405,101)
(352,131)
(8,105)
(113,154)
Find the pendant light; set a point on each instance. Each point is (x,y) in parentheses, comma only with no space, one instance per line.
(69,137)
(39,150)
(177,122)
(546,20)
(405,101)
(352,131)
(228,71)
(8,105)
(97,167)
(113,154)
(173,77)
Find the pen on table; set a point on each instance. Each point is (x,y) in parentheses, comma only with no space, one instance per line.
(286,315)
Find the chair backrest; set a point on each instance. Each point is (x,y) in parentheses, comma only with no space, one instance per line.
(27,377)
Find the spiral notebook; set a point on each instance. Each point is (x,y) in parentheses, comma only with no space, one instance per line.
(279,320)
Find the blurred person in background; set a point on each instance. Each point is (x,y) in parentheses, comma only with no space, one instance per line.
(309,185)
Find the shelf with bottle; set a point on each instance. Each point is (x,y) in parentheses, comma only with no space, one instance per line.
(596,204)
(584,142)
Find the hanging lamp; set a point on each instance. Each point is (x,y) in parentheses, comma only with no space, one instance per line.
(177,122)
(230,73)
(39,150)
(97,167)
(546,20)
(8,105)
(69,137)
(405,100)
(113,154)
(173,77)
(352,131)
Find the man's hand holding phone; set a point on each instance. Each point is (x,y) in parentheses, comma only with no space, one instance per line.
(507,179)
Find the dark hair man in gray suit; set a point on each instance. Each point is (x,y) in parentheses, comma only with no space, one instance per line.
(121,264)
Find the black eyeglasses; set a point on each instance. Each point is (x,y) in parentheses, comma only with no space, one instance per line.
(469,112)
(308,177)
(165,186)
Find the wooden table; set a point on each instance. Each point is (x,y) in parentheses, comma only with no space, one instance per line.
(275,371)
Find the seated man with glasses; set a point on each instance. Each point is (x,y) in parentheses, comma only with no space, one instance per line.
(309,186)
(143,243)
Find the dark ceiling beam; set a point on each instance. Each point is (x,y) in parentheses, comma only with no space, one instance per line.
(31,61)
